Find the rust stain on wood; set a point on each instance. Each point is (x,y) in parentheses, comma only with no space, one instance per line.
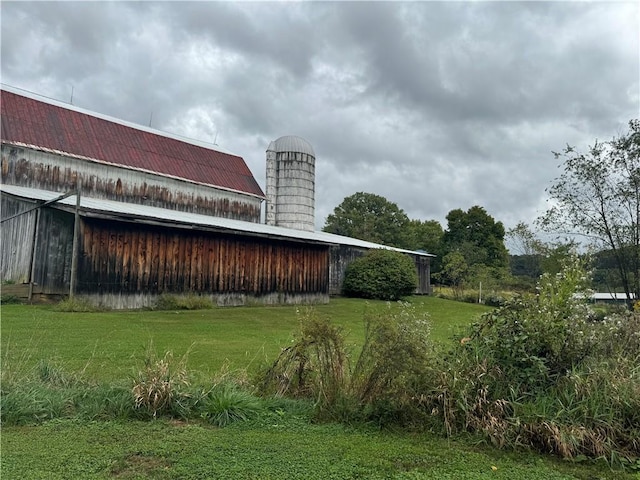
(23,167)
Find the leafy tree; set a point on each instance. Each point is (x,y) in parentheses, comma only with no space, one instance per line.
(381,274)
(369,217)
(425,235)
(536,257)
(605,272)
(556,254)
(454,271)
(598,197)
(523,240)
(529,251)
(477,236)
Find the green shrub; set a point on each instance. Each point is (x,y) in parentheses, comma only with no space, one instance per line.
(381,274)
(540,372)
(191,301)
(77,304)
(10,299)
(534,339)
(226,403)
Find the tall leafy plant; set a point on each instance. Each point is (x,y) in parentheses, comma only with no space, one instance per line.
(598,196)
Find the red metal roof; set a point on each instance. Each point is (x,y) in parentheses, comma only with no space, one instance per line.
(46,125)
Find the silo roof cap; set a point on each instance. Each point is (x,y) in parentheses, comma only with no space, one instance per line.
(291,143)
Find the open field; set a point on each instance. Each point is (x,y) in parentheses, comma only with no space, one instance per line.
(109,346)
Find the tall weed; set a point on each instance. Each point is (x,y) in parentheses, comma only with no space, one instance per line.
(396,354)
(385,380)
(158,386)
(315,365)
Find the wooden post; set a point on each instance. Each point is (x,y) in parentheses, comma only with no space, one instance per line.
(75,247)
(34,249)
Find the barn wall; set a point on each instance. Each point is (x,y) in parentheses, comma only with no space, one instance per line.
(50,246)
(54,248)
(340,257)
(49,171)
(423,266)
(120,259)
(17,240)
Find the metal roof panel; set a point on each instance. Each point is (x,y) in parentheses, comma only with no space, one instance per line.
(56,126)
(175,217)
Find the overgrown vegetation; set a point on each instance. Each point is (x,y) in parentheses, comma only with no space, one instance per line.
(543,371)
(597,196)
(540,371)
(77,304)
(380,274)
(161,387)
(9,299)
(492,298)
(314,365)
(168,301)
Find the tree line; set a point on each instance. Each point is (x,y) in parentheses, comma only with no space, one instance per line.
(595,208)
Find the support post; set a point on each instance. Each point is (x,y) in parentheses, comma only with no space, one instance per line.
(34,249)
(74,249)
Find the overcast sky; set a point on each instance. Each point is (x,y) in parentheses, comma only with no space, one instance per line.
(433,105)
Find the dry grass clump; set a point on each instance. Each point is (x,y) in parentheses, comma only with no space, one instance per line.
(161,382)
(78,304)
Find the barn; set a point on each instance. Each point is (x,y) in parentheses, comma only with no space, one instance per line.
(121,214)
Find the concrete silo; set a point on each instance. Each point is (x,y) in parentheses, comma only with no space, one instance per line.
(291,183)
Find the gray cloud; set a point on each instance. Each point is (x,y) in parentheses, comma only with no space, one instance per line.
(433,105)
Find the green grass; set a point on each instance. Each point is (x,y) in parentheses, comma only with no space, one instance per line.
(282,448)
(107,345)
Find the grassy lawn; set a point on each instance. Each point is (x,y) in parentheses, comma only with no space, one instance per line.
(111,345)
(107,345)
(281,449)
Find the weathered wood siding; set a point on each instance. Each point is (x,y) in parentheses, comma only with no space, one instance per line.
(27,167)
(340,257)
(17,240)
(423,266)
(53,250)
(125,258)
(50,247)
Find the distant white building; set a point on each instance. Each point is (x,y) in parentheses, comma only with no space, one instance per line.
(608,297)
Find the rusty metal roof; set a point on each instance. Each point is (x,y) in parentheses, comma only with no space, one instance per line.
(52,125)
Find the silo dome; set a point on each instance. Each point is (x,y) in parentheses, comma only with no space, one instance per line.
(291,183)
(291,143)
